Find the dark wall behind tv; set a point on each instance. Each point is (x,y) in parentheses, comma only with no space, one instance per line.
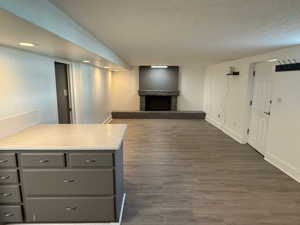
(158,79)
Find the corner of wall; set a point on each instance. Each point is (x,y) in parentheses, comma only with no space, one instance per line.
(108,120)
(225,130)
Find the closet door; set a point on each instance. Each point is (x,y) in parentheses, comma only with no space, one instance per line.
(261,106)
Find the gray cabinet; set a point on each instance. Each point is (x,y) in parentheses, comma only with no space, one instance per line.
(10,214)
(8,176)
(10,194)
(42,160)
(45,186)
(70,209)
(55,182)
(7,160)
(81,160)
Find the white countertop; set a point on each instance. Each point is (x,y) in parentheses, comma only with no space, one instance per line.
(67,137)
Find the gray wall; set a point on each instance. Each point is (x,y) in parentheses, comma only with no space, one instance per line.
(158,79)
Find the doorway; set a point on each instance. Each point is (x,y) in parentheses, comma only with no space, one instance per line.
(260,106)
(62,90)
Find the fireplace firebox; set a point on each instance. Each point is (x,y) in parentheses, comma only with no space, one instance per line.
(158,103)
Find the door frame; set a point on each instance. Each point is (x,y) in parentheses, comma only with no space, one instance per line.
(71,91)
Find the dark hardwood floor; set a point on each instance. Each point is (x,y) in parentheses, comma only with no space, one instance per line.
(186,172)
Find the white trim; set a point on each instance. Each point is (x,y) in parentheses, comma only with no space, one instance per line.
(283,166)
(225,130)
(72,92)
(117,223)
(108,120)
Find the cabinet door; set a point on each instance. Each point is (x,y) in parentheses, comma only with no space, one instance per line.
(9,194)
(84,160)
(7,160)
(42,160)
(10,214)
(81,209)
(8,176)
(66,182)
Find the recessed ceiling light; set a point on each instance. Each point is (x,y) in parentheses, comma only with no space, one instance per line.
(27,44)
(272,60)
(159,67)
(86,61)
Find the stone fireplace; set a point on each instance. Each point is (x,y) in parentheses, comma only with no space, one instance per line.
(158,88)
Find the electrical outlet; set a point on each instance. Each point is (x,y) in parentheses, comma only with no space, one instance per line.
(219,115)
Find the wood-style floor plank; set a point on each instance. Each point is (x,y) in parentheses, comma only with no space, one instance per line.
(187,172)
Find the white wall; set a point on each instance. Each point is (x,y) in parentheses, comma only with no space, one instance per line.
(229,98)
(27,83)
(226,101)
(191,83)
(125,85)
(92,93)
(283,146)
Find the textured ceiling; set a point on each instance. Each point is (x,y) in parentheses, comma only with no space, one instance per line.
(184,31)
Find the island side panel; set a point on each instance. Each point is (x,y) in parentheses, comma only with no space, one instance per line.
(119,180)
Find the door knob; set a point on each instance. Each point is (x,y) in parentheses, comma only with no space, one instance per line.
(267,113)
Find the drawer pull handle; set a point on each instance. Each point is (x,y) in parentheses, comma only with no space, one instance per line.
(44,161)
(8,214)
(90,161)
(71,208)
(4,177)
(3,161)
(5,194)
(69,181)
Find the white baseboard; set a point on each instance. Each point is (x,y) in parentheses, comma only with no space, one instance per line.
(283,166)
(227,131)
(15,123)
(108,120)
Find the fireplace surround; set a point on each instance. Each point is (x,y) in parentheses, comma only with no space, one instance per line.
(158,88)
(155,93)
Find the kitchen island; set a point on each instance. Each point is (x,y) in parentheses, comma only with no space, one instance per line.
(62,174)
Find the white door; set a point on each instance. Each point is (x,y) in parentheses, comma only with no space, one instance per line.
(261,106)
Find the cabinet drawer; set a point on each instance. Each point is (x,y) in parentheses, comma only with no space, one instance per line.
(7,160)
(42,160)
(10,214)
(91,160)
(94,209)
(9,176)
(10,194)
(57,182)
